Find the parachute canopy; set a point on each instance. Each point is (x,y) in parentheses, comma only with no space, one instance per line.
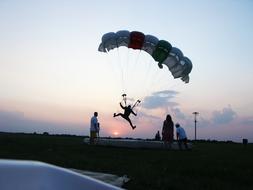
(161,50)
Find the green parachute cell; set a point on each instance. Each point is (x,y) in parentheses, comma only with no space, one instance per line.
(162,51)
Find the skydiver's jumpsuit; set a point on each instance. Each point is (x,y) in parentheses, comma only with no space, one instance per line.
(127,112)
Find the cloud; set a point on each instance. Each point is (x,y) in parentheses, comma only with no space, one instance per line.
(17,122)
(178,113)
(145,115)
(160,99)
(218,117)
(164,100)
(224,116)
(166,93)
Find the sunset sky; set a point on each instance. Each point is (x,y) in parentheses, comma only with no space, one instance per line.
(52,76)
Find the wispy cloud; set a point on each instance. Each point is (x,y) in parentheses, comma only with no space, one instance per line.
(224,116)
(164,100)
(160,99)
(178,113)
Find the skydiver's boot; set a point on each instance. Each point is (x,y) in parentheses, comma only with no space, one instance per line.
(133,127)
(114,115)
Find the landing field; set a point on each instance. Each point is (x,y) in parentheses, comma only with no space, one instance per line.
(209,165)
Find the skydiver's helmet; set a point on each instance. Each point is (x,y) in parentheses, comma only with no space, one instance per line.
(129,106)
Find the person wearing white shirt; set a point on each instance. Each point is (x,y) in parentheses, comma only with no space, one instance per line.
(93,128)
(181,136)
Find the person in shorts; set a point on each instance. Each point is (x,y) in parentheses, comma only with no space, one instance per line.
(181,136)
(93,128)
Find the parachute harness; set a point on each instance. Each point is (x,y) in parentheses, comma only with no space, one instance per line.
(124,99)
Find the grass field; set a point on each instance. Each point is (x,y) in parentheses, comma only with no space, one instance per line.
(208,166)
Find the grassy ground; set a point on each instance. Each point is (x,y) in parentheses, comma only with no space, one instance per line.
(208,166)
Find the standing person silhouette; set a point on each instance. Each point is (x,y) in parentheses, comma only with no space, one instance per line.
(127,111)
(168,131)
(181,137)
(157,136)
(93,128)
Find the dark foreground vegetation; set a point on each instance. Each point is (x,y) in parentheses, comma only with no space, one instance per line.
(210,165)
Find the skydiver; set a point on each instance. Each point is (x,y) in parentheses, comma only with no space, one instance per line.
(127,111)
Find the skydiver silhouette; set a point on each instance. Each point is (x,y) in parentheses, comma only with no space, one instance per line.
(127,111)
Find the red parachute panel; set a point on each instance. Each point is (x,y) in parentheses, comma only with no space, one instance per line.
(136,40)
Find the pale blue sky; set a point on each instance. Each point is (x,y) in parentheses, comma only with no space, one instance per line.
(51,71)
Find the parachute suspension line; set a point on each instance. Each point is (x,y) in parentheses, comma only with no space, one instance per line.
(127,58)
(134,70)
(162,80)
(136,60)
(122,73)
(155,78)
(146,88)
(110,62)
(127,66)
(166,82)
(149,66)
